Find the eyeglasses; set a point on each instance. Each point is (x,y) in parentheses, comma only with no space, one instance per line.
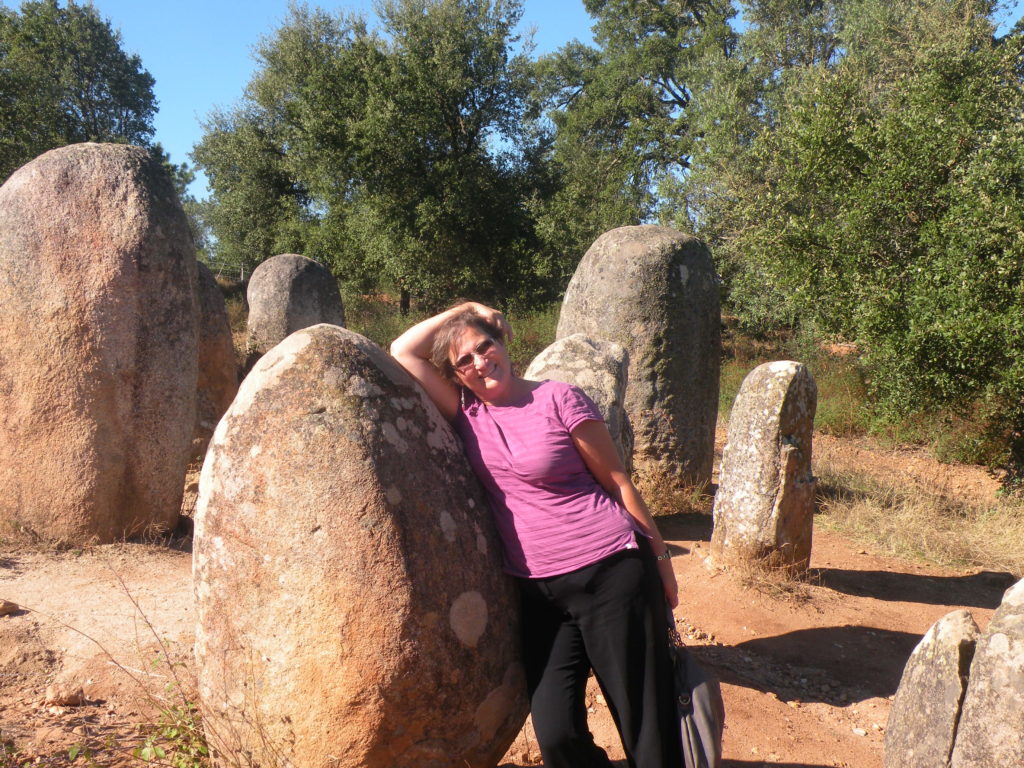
(482,349)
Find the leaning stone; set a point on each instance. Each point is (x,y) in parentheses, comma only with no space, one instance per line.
(287,293)
(97,346)
(924,714)
(654,291)
(764,507)
(599,368)
(218,371)
(991,733)
(348,579)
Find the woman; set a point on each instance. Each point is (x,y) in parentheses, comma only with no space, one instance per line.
(594,571)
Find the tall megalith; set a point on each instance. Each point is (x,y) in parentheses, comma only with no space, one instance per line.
(599,368)
(764,506)
(926,709)
(97,346)
(218,370)
(654,291)
(991,731)
(348,579)
(287,293)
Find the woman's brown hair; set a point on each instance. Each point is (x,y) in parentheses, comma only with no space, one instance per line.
(450,331)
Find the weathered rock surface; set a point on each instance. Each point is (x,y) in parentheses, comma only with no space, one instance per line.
(599,368)
(764,506)
(350,596)
(654,291)
(64,695)
(991,732)
(925,712)
(97,346)
(218,370)
(287,293)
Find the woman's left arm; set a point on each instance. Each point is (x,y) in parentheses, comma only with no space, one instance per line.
(598,451)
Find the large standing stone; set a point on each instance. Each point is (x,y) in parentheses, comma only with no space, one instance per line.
(991,733)
(218,371)
(287,293)
(926,709)
(654,291)
(352,609)
(764,507)
(97,346)
(599,368)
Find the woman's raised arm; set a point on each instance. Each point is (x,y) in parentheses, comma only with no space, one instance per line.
(413,350)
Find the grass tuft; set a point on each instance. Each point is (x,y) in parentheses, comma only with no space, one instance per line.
(773,577)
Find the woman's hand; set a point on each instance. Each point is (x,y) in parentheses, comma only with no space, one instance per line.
(492,316)
(668,582)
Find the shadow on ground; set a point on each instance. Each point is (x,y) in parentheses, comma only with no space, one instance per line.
(831,665)
(977,590)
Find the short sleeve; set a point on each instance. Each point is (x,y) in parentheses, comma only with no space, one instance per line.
(576,407)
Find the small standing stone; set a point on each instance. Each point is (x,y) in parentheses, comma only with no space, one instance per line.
(599,368)
(991,732)
(287,293)
(655,292)
(764,507)
(926,709)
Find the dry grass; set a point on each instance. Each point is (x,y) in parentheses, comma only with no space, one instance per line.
(663,496)
(914,524)
(776,579)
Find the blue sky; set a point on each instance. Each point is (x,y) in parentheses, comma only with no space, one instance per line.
(200,51)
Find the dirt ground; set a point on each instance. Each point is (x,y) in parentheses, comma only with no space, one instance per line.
(808,673)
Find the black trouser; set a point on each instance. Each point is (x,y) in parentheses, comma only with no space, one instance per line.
(609,616)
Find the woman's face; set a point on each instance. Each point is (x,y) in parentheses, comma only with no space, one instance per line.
(481,364)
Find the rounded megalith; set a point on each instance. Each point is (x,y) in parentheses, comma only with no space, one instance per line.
(599,368)
(351,604)
(218,370)
(764,506)
(991,729)
(98,324)
(654,291)
(926,708)
(287,293)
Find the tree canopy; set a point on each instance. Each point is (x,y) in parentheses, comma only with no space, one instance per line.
(65,78)
(396,155)
(855,165)
(874,191)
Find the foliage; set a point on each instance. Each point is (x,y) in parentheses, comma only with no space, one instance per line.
(618,112)
(874,194)
(533,330)
(177,740)
(64,78)
(399,158)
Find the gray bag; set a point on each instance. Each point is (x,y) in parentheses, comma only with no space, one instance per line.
(701,709)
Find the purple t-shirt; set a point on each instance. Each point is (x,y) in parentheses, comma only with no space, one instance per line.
(552,514)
